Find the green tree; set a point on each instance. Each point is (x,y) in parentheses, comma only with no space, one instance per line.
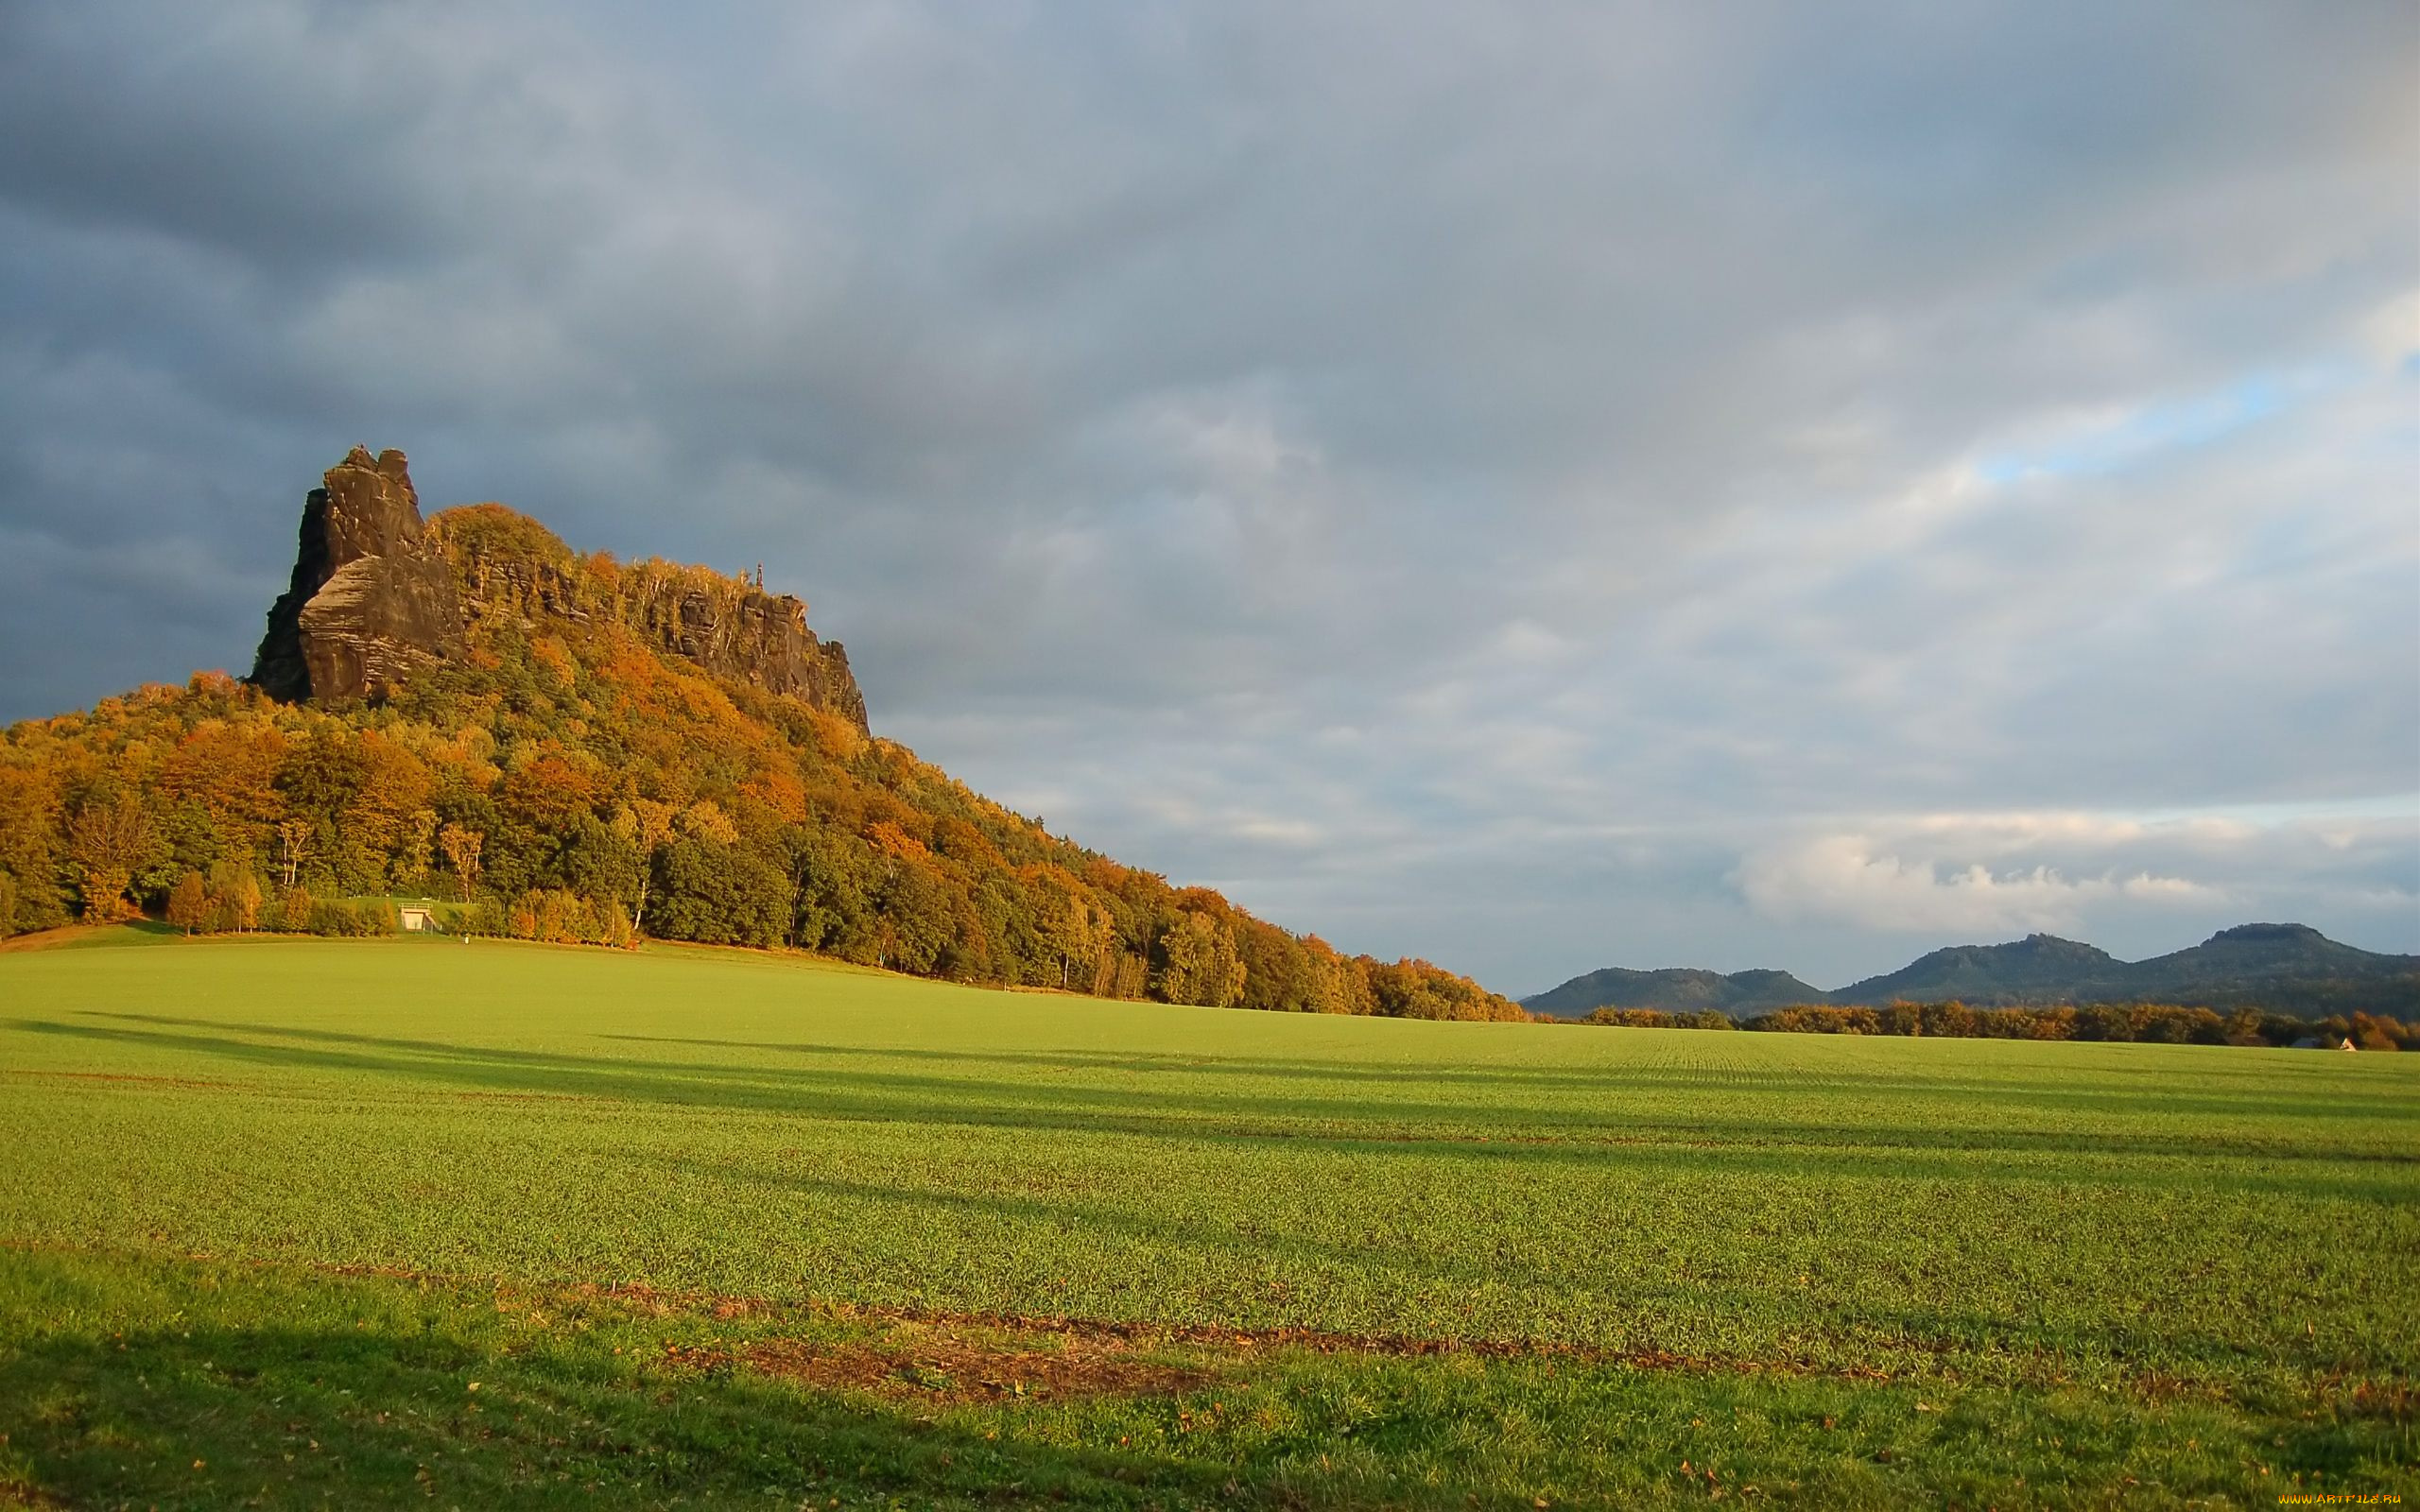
(915,919)
(1075,928)
(833,912)
(646,826)
(720,894)
(416,852)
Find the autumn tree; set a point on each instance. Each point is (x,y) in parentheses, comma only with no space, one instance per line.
(108,841)
(29,844)
(1198,962)
(1413,988)
(228,773)
(189,902)
(462,846)
(235,897)
(705,820)
(1338,984)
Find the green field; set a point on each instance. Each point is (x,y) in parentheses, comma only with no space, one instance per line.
(729,1228)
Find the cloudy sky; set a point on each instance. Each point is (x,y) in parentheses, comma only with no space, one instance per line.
(1539,486)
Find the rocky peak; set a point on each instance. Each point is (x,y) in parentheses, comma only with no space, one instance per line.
(377,591)
(370,598)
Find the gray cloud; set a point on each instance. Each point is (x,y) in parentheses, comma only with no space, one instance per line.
(1537,487)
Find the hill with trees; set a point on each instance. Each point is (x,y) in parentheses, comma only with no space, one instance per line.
(587,751)
(1674,990)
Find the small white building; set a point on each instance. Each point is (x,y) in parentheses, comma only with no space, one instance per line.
(416,920)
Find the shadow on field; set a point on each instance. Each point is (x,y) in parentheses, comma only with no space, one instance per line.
(277,1387)
(2123,1089)
(1544,1130)
(1298,1255)
(332,1416)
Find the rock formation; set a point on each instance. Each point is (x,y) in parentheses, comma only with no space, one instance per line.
(377,591)
(753,636)
(369,600)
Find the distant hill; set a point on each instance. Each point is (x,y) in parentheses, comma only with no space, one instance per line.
(2038,968)
(1673,989)
(2289,968)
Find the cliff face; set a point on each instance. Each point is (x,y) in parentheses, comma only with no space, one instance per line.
(368,600)
(376,591)
(752,635)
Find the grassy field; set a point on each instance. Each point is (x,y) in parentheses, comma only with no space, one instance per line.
(722,1228)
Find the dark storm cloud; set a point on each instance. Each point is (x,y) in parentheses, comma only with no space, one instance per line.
(1648,470)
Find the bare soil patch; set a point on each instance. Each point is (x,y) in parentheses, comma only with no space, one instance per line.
(939,1365)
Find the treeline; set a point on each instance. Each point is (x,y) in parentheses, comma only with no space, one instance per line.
(2134,1023)
(573,784)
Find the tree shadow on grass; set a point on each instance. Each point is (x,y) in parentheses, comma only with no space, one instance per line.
(1538,1134)
(2128,1095)
(1557,1114)
(226,1386)
(1838,1330)
(287,1416)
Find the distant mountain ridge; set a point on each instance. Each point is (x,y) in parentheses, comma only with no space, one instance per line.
(2290,968)
(1677,989)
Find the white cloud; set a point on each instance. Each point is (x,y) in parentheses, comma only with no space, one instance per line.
(1842,880)
(1965,875)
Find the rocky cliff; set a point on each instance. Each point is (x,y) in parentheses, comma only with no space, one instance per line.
(754,636)
(368,600)
(377,591)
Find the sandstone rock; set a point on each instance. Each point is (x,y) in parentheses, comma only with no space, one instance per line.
(743,632)
(370,598)
(377,591)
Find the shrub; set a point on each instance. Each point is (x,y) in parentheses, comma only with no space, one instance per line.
(344,920)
